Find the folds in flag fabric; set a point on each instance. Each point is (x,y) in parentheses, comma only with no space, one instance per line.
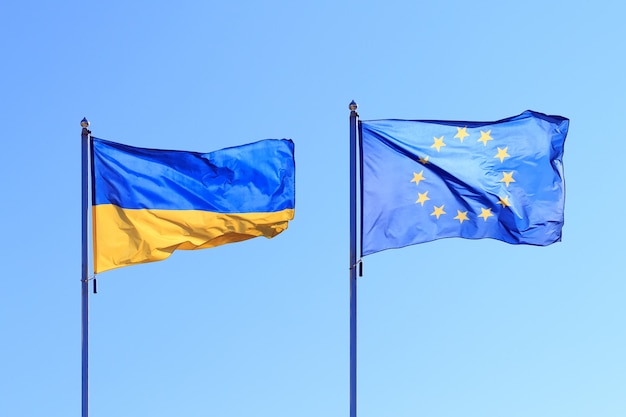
(149,202)
(426,180)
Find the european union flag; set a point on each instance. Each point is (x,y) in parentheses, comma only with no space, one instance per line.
(426,180)
(149,202)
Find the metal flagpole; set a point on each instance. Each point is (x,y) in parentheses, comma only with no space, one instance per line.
(353,252)
(85,261)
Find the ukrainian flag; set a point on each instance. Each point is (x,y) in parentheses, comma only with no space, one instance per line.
(149,202)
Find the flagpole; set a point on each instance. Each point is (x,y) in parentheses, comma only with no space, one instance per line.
(353,252)
(85,261)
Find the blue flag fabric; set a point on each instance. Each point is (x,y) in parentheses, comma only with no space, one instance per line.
(426,180)
(149,202)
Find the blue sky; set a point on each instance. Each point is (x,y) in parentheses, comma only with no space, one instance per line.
(448,328)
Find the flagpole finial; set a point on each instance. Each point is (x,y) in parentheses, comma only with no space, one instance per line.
(353,106)
(85,125)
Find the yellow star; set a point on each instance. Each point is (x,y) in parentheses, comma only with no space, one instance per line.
(438,143)
(504,201)
(461,133)
(502,154)
(418,177)
(485,213)
(438,211)
(461,216)
(485,137)
(507,178)
(423,197)
(423,160)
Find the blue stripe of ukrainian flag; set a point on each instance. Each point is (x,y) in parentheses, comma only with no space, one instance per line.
(149,202)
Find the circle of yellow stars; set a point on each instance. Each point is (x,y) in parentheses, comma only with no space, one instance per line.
(461,216)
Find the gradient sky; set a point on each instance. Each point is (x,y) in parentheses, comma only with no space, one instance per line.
(261,328)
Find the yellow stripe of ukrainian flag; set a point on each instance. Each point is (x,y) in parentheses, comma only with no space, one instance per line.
(125,237)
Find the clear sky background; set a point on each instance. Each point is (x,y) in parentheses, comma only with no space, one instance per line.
(261,328)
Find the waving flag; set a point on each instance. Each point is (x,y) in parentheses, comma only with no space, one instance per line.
(426,180)
(149,202)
